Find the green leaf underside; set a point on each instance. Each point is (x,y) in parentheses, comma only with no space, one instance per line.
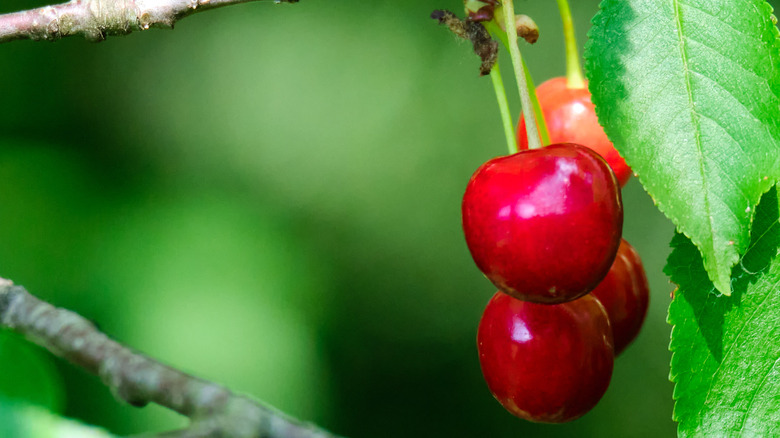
(28,374)
(688,92)
(21,420)
(726,349)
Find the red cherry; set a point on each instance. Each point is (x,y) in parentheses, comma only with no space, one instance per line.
(548,364)
(544,225)
(571,117)
(625,294)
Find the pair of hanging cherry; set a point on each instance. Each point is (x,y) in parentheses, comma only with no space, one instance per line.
(545,227)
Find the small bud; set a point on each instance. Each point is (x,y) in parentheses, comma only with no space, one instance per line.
(526,28)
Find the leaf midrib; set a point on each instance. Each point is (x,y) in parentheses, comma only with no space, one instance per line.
(694,121)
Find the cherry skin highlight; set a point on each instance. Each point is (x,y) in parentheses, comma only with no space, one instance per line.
(625,295)
(571,117)
(543,363)
(544,225)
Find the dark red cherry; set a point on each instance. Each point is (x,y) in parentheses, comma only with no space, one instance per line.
(543,363)
(625,294)
(544,225)
(571,117)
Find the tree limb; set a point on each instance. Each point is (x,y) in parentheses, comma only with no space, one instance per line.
(214,410)
(96,19)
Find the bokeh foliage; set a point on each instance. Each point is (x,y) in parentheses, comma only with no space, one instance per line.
(269,196)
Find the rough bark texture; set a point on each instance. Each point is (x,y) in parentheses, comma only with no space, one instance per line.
(96,19)
(214,410)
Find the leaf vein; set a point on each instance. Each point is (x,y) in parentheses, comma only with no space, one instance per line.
(736,99)
(730,178)
(726,58)
(753,396)
(735,342)
(719,20)
(741,148)
(753,244)
(694,114)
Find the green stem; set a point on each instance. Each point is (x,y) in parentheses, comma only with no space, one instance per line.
(522,85)
(496,32)
(503,106)
(545,134)
(574,76)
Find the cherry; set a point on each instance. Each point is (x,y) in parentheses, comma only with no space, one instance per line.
(543,363)
(544,224)
(571,117)
(625,294)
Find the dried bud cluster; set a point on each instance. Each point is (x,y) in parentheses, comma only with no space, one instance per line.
(484,46)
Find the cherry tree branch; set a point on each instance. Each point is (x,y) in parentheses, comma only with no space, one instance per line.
(96,19)
(214,410)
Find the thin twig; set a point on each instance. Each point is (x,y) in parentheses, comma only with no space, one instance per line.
(214,410)
(96,19)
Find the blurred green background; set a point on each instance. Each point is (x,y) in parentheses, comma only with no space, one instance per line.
(269,197)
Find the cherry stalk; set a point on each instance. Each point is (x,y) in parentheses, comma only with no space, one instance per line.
(534,142)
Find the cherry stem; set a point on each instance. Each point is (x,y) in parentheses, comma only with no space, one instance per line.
(503,106)
(499,34)
(531,129)
(541,123)
(574,76)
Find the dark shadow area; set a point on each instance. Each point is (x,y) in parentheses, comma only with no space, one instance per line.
(686,269)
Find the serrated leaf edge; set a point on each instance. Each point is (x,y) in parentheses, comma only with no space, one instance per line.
(722,283)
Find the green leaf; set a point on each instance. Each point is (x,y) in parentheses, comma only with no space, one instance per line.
(28,373)
(688,92)
(726,349)
(20,420)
